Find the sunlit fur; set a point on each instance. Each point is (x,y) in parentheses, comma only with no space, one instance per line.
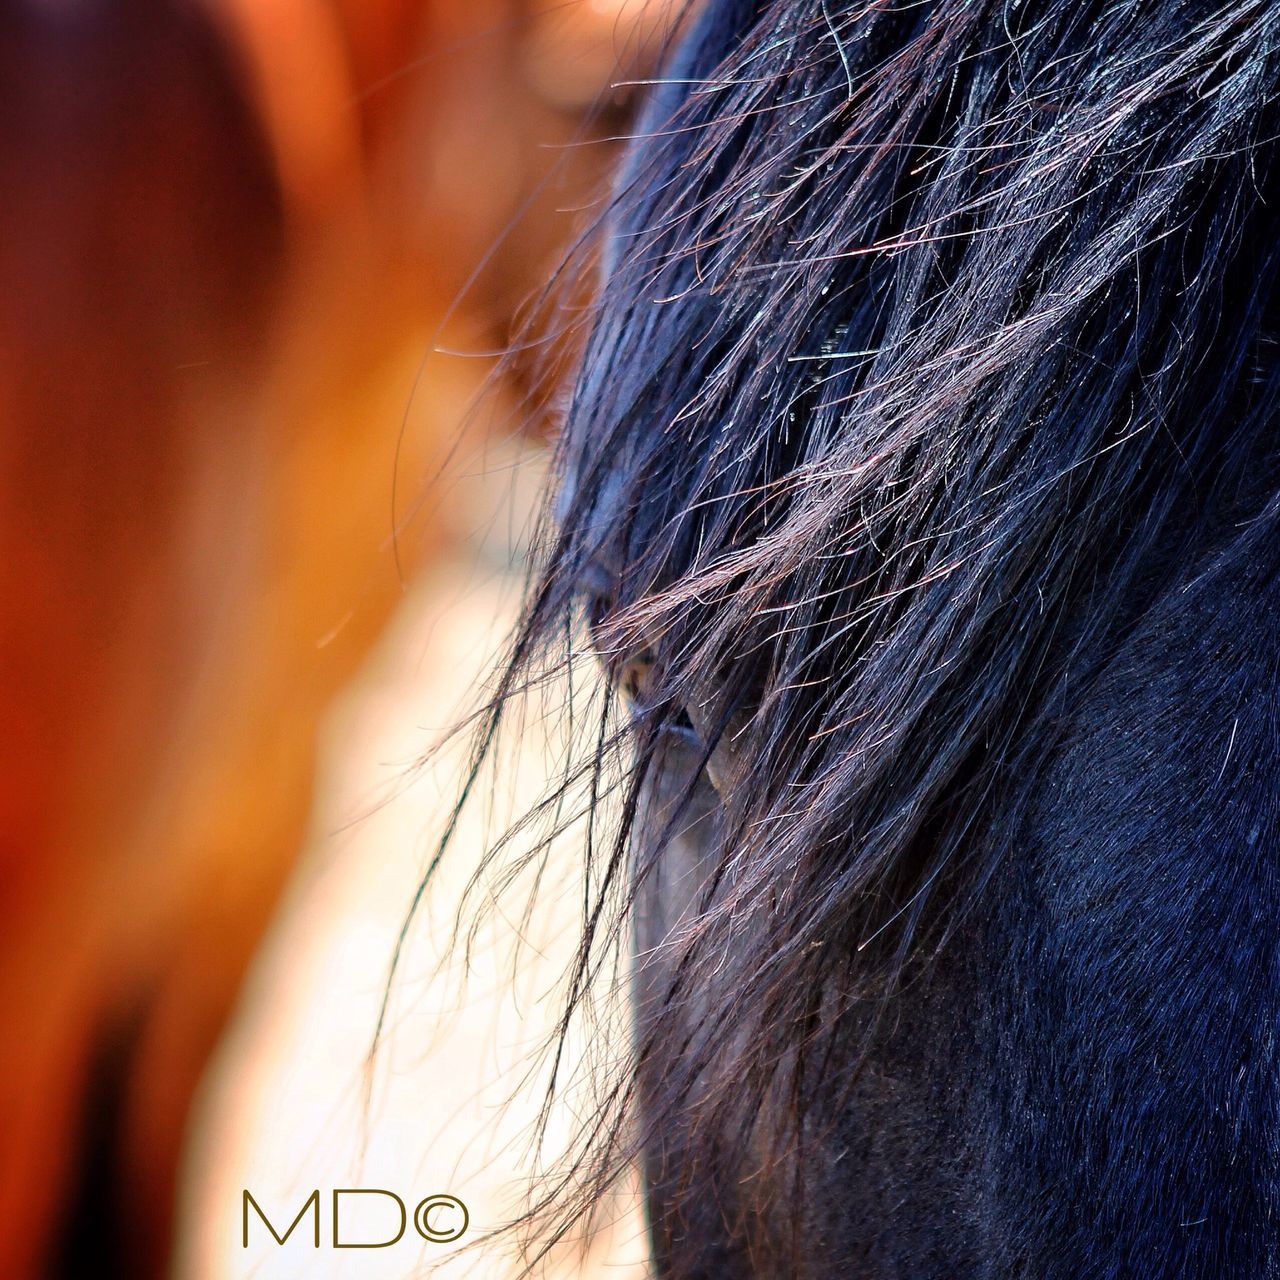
(919,479)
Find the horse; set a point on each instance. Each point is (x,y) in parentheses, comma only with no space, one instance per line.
(918,492)
(230,231)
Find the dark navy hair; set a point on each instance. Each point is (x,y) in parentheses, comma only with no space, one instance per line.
(920,473)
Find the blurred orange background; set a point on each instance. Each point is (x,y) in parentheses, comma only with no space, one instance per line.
(237,241)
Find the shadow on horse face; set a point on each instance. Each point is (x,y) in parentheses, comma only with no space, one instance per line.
(921,473)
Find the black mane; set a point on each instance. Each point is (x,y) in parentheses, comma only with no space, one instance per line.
(931,352)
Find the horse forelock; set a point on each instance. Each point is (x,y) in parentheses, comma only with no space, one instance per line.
(933,348)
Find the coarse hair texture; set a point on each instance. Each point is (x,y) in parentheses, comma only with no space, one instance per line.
(926,333)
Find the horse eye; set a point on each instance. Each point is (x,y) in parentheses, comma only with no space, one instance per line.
(630,674)
(633,678)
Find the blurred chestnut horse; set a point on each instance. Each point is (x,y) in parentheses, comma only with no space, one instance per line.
(229,234)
